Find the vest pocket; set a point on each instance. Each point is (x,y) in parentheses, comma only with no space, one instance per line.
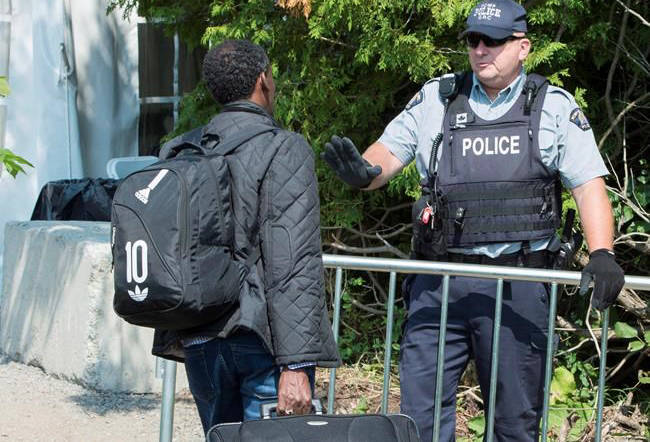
(450,146)
(428,239)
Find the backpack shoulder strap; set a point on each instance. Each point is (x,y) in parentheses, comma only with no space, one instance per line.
(194,140)
(228,145)
(187,140)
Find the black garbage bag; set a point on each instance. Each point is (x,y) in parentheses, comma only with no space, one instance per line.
(84,199)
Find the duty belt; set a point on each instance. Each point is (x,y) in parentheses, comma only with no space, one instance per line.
(539,259)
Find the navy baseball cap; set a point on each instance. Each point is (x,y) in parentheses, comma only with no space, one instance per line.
(497,19)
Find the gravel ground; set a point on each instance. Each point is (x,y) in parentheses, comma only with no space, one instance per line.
(38,407)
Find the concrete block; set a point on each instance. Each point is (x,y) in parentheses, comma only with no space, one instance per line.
(56,309)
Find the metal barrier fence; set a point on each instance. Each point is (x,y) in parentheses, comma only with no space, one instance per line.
(394,266)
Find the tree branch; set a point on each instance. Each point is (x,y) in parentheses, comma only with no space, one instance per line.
(617,120)
(336,42)
(397,251)
(364,307)
(634,13)
(364,250)
(378,286)
(388,235)
(610,76)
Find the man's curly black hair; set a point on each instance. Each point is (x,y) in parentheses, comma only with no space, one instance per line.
(231,69)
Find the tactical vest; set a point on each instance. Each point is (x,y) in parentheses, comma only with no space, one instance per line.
(492,183)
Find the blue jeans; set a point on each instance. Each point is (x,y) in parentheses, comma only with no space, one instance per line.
(231,377)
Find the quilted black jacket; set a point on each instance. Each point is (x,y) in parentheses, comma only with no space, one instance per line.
(274,192)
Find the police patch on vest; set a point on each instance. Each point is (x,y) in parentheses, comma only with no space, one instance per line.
(498,145)
(579,119)
(417,99)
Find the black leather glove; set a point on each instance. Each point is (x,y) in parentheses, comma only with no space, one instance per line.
(346,161)
(607,276)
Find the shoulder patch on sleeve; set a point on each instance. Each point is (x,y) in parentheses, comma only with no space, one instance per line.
(417,99)
(579,119)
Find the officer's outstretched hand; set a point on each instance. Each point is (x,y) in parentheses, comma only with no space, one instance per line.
(343,157)
(607,276)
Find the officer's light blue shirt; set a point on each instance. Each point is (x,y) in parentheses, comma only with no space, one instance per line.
(566,141)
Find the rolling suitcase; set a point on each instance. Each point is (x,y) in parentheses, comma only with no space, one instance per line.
(318,428)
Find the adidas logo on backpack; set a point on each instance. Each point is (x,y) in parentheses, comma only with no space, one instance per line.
(138,295)
(172,236)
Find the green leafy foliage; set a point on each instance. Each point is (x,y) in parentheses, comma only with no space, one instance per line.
(624,330)
(4,87)
(562,386)
(636,346)
(12,162)
(477,425)
(644,377)
(9,160)
(572,394)
(362,332)
(362,406)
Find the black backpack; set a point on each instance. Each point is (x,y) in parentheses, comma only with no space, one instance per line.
(172,236)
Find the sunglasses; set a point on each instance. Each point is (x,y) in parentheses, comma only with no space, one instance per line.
(474,39)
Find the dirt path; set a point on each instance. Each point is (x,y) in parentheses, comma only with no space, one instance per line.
(37,407)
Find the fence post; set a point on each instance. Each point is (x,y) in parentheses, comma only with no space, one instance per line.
(335,331)
(601,373)
(494,368)
(167,409)
(389,340)
(442,337)
(548,373)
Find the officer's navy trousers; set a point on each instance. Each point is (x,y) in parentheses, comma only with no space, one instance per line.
(522,345)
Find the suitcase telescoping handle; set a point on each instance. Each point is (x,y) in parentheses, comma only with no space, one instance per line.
(269,407)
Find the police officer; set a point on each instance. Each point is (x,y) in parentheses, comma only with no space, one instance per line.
(491,147)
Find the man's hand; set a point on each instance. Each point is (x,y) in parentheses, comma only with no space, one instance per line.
(607,276)
(294,393)
(344,158)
